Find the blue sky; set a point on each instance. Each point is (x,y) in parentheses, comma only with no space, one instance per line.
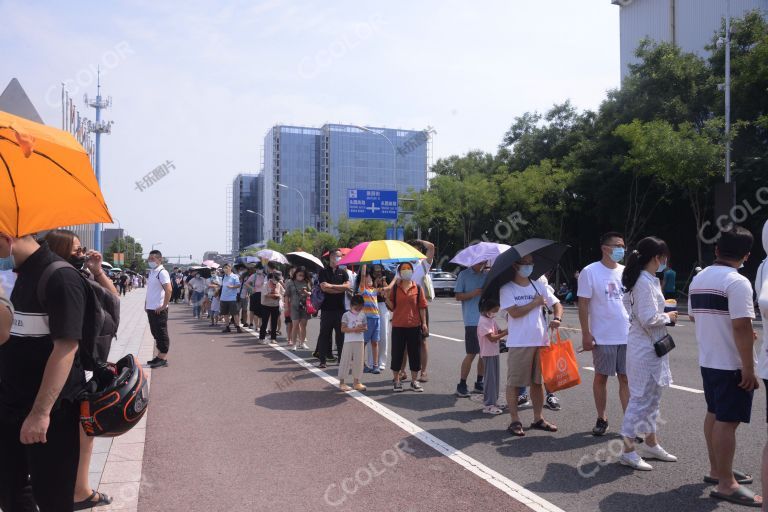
(200,83)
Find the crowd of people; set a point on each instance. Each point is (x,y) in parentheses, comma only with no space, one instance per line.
(379,315)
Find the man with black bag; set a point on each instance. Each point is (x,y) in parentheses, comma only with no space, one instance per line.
(40,377)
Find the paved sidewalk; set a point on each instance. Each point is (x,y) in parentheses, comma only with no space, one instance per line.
(238,426)
(116,462)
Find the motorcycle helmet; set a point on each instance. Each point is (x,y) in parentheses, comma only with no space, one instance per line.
(115,399)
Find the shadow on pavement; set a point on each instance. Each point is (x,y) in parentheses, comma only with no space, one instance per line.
(562,478)
(301,400)
(683,499)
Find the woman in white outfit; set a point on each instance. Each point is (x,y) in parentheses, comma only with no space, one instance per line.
(761,289)
(648,374)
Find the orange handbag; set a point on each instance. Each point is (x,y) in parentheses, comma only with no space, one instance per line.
(559,367)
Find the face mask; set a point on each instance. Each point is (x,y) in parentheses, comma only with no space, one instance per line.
(342,267)
(76,261)
(406,274)
(152,265)
(8,263)
(662,267)
(617,254)
(525,270)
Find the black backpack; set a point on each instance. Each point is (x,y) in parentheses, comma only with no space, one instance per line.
(102,317)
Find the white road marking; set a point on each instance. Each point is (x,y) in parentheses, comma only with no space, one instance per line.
(496,479)
(675,386)
(444,337)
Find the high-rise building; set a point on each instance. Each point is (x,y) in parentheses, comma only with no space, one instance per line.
(109,235)
(308,171)
(247,216)
(689,24)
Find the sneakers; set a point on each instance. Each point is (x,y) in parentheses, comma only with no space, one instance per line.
(375,370)
(295,348)
(462,390)
(359,387)
(366,369)
(153,361)
(634,461)
(315,355)
(492,409)
(304,346)
(398,387)
(263,341)
(552,403)
(227,329)
(322,366)
(330,359)
(601,427)
(415,386)
(239,329)
(158,363)
(273,342)
(657,452)
(345,388)
(479,386)
(523,400)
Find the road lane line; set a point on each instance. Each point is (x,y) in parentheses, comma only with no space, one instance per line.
(444,337)
(675,386)
(496,479)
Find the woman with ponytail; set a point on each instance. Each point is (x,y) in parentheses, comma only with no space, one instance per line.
(648,374)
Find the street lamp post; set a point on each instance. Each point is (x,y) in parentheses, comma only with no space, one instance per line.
(156,243)
(263,222)
(303,207)
(394,159)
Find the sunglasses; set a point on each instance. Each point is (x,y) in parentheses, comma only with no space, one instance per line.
(81,250)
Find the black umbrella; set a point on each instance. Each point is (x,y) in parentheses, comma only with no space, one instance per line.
(546,254)
(204,272)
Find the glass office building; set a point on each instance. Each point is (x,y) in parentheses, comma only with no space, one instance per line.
(247,227)
(308,171)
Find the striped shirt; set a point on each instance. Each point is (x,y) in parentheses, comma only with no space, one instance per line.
(370,302)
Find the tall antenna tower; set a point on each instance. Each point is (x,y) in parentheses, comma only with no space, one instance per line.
(98,128)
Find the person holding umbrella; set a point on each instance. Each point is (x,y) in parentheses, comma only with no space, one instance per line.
(523,301)
(469,287)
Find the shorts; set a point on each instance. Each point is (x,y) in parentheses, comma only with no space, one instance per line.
(254,305)
(523,366)
(229,307)
(610,359)
(471,343)
(725,399)
(299,314)
(373,333)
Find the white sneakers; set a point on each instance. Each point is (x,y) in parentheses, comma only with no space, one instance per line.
(304,346)
(657,452)
(633,460)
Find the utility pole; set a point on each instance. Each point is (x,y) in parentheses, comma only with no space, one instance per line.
(728,91)
(98,128)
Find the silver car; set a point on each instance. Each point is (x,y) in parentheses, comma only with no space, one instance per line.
(444,282)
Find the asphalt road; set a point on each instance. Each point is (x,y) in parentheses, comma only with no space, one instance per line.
(571,468)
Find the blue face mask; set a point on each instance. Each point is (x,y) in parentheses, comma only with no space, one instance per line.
(6,263)
(618,254)
(662,267)
(525,270)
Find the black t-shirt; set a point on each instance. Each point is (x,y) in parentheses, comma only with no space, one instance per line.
(24,356)
(333,301)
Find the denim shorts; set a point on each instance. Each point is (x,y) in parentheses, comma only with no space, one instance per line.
(374,329)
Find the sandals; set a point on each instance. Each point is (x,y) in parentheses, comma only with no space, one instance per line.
(740,477)
(516,429)
(741,496)
(543,425)
(90,503)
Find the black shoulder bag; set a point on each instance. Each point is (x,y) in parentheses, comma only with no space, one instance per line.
(662,346)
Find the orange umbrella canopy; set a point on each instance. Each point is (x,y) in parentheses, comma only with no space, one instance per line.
(46,179)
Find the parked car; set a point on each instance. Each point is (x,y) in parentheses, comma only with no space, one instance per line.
(444,282)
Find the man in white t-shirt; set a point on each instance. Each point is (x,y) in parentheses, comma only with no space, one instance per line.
(523,301)
(605,323)
(720,302)
(159,293)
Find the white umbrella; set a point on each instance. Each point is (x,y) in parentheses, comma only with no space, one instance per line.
(106,265)
(305,259)
(211,264)
(479,252)
(270,255)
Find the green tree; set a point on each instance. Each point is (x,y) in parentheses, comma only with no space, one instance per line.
(132,251)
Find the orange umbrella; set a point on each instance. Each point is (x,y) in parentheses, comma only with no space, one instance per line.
(46,179)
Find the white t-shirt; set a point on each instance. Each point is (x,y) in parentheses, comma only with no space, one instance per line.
(420,269)
(155,293)
(718,295)
(762,300)
(352,320)
(529,330)
(608,319)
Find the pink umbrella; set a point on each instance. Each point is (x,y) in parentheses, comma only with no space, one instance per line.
(211,264)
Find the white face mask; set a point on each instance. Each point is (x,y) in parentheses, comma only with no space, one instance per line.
(406,274)
(152,264)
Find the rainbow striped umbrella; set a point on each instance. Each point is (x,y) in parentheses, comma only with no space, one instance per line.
(380,251)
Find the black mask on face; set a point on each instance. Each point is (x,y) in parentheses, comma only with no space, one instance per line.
(76,261)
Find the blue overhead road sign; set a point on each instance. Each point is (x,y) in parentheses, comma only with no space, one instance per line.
(372,204)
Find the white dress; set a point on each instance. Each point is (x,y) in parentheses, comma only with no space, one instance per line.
(647,373)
